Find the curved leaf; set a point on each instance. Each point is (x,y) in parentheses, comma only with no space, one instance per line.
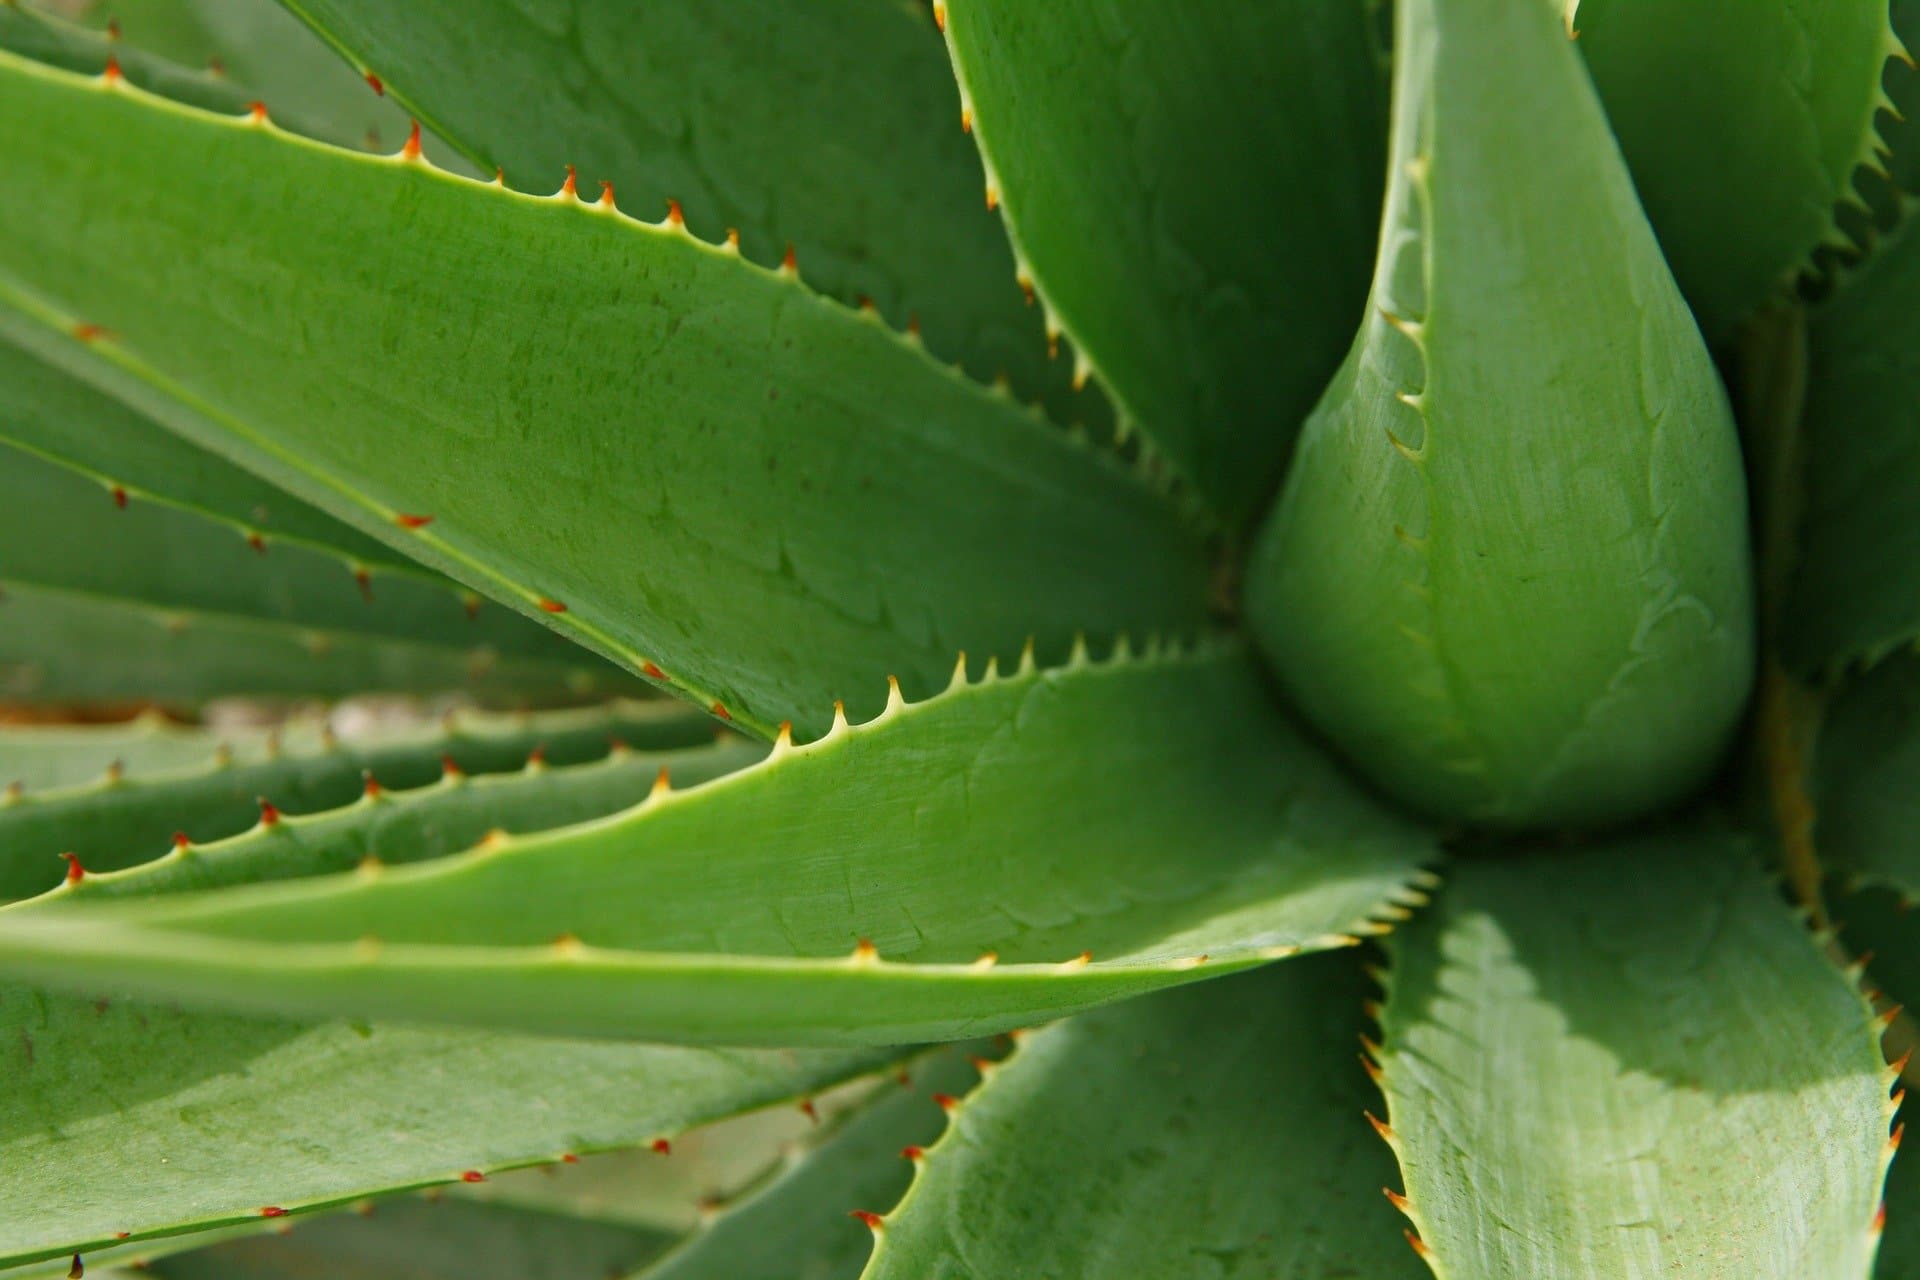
(1114,1125)
(1743,124)
(124,820)
(1195,195)
(1852,598)
(707,435)
(36,757)
(832,126)
(46,38)
(60,531)
(57,646)
(1631,1060)
(1046,819)
(1865,778)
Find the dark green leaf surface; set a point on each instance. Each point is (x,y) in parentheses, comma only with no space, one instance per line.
(127,819)
(1045,820)
(1195,195)
(833,126)
(57,646)
(1865,779)
(1743,123)
(1852,599)
(679,458)
(1631,1060)
(121,1117)
(1213,1133)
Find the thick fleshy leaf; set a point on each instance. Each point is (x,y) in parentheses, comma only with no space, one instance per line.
(123,820)
(1509,571)
(799,1224)
(1852,598)
(47,38)
(1631,1060)
(1014,849)
(1743,123)
(61,531)
(713,474)
(1194,194)
(1865,778)
(832,126)
(37,757)
(61,647)
(1214,1131)
(48,412)
(121,1117)
(412,1238)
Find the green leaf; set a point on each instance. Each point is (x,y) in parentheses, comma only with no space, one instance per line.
(832,126)
(1631,1060)
(1195,197)
(411,1238)
(36,757)
(1097,1149)
(1743,124)
(766,495)
(48,412)
(1865,778)
(125,820)
(797,1224)
(61,531)
(1046,820)
(1852,598)
(58,647)
(46,38)
(121,1117)
(1509,573)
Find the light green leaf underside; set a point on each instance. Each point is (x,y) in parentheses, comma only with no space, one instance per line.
(833,126)
(139,1118)
(1195,196)
(48,412)
(58,646)
(62,531)
(1853,597)
(1508,572)
(772,498)
(1865,778)
(128,821)
(412,1238)
(1038,817)
(1631,1060)
(40,757)
(1214,1133)
(1877,925)
(1743,124)
(798,1225)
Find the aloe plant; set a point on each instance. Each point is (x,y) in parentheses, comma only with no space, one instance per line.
(1041,570)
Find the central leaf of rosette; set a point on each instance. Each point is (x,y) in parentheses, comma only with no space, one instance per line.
(1508,572)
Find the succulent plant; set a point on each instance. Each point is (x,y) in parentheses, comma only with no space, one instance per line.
(1389,522)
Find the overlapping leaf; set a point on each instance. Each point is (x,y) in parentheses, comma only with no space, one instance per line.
(684,460)
(1631,1060)
(1163,172)
(857,890)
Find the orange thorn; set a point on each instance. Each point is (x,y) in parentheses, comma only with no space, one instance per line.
(1419,1245)
(1026,289)
(662,783)
(1374,1073)
(721,711)
(499,176)
(180,840)
(365,580)
(473,1175)
(661,1146)
(966,120)
(369,785)
(913,325)
(257,112)
(119,497)
(864,952)
(652,672)
(945,1101)
(1892,1013)
(733,239)
(111,74)
(272,1211)
(1395,1199)
(406,521)
(374,82)
(258,543)
(810,1111)
(872,1220)
(537,756)
(75,872)
(89,332)
(567,188)
(1380,1126)
(450,768)
(472,605)
(1879,1219)
(993,199)
(269,813)
(1900,1066)
(790,263)
(674,216)
(912,1153)
(113,33)
(940,14)
(552,606)
(568,1157)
